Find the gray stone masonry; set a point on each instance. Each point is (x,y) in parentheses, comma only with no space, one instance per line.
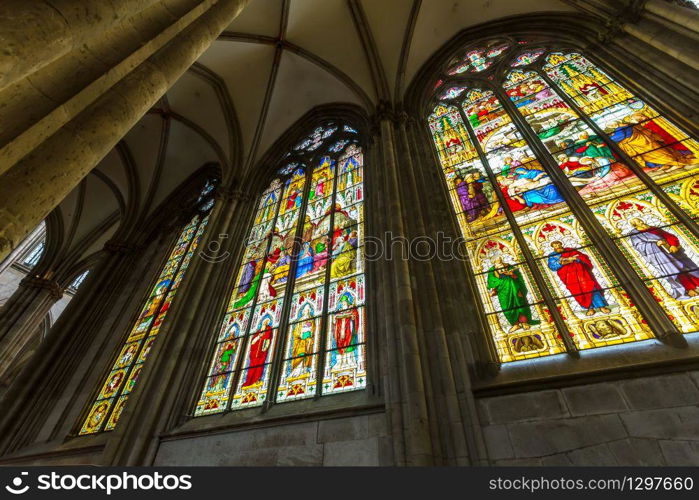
(359,440)
(643,421)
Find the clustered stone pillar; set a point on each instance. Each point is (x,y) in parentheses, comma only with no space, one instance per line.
(21,317)
(402,329)
(62,114)
(33,396)
(430,409)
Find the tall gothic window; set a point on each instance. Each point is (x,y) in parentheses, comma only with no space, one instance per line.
(126,367)
(578,200)
(294,324)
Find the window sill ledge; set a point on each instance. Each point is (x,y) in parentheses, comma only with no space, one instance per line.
(595,365)
(334,406)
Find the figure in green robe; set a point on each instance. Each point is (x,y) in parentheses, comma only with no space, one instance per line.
(592,146)
(506,282)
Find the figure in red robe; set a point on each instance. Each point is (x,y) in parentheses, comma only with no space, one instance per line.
(667,137)
(345,335)
(259,350)
(574,268)
(346,329)
(574,167)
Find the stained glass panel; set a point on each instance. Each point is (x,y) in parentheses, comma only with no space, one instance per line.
(130,360)
(305,243)
(662,149)
(505,174)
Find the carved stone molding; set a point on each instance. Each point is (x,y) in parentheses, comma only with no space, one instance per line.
(38,282)
(384,111)
(614,26)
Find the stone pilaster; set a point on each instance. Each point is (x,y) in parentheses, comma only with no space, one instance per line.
(406,394)
(21,317)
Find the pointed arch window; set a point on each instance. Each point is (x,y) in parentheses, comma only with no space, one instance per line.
(78,281)
(294,326)
(118,384)
(578,199)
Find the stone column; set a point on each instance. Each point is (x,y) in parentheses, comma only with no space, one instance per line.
(463,332)
(408,401)
(31,408)
(22,315)
(35,32)
(441,347)
(669,28)
(44,162)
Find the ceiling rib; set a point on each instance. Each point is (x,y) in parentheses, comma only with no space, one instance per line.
(229,113)
(77,216)
(405,49)
(134,195)
(378,75)
(309,56)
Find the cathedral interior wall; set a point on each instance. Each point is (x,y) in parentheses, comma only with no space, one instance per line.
(9,283)
(642,421)
(347,441)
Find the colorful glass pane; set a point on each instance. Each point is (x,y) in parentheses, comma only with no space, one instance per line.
(126,368)
(478,59)
(661,148)
(504,177)
(526,58)
(452,92)
(306,240)
(603,177)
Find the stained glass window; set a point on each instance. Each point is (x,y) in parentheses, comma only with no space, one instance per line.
(126,367)
(33,256)
(77,281)
(294,326)
(508,143)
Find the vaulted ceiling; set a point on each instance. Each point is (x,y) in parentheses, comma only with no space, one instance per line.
(277,60)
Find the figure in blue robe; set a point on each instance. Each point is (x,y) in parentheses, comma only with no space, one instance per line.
(305,264)
(544,195)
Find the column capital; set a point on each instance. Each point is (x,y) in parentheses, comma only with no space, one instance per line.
(614,26)
(405,118)
(384,111)
(37,282)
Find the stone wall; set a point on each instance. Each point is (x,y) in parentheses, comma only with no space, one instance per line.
(357,440)
(9,283)
(58,308)
(641,421)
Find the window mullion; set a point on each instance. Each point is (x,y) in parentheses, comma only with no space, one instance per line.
(673,207)
(326,290)
(558,320)
(662,327)
(276,365)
